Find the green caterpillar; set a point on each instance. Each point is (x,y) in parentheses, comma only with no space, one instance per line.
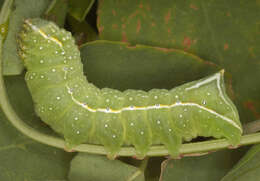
(83,113)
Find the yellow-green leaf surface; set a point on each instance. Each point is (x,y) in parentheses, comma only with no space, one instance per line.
(22,158)
(223,32)
(248,168)
(22,9)
(86,167)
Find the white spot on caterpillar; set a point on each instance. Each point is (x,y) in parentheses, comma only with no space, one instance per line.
(155,97)
(180,116)
(70,57)
(34,41)
(170,130)
(107,100)
(50,108)
(56,52)
(130,98)
(58,98)
(176,96)
(106,125)
(42,76)
(141,132)
(204,102)
(62,53)
(208,94)
(76,118)
(41,61)
(132,124)
(158,121)
(77,132)
(53,70)
(114,136)
(41,48)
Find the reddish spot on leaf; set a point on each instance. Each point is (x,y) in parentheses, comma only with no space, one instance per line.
(148,8)
(169,30)
(164,49)
(251,52)
(133,14)
(124,38)
(114,26)
(141,5)
(123,19)
(100,28)
(131,46)
(138,27)
(167,17)
(187,42)
(226,46)
(192,6)
(152,24)
(251,106)
(123,26)
(228,14)
(113,12)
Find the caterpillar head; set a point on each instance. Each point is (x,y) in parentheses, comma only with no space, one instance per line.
(43,38)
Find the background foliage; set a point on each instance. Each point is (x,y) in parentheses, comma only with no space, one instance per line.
(130,44)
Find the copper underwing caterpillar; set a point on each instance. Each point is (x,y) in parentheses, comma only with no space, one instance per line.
(81,112)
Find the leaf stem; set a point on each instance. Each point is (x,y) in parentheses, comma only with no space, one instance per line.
(5,11)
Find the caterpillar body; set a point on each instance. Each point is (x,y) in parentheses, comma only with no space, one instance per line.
(80,111)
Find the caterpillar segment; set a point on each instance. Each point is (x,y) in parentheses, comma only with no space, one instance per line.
(83,113)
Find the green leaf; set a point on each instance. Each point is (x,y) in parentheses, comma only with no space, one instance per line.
(22,158)
(121,66)
(224,32)
(208,167)
(57,12)
(248,168)
(23,9)
(80,8)
(89,167)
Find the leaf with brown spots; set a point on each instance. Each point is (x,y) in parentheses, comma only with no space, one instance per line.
(223,32)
